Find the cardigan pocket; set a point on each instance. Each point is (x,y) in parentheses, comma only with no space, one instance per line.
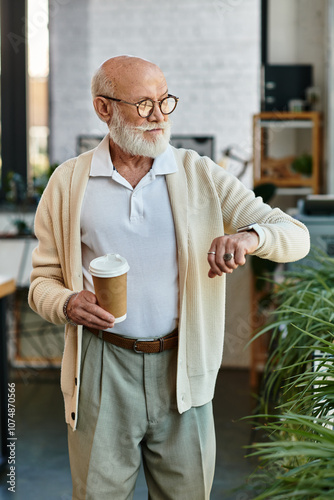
(68,365)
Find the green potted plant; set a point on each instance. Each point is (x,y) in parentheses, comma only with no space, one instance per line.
(297,459)
(303,165)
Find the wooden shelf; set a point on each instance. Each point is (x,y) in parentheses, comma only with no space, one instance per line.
(293,181)
(288,115)
(277,170)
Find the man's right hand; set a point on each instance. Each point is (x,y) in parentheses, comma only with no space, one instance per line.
(82,309)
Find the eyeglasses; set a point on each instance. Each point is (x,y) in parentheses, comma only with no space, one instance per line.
(146,106)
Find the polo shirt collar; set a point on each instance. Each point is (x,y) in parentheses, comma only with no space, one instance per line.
(102,165)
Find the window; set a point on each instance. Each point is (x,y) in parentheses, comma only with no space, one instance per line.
(24,97)
(38,101)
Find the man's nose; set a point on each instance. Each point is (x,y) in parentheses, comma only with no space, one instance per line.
(157,115)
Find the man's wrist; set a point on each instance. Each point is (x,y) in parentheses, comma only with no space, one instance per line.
(257,229)
(68,320)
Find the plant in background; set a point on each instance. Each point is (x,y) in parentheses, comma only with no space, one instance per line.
(303,164)
(15,188)
(297,462)
(40,182)
(22,227)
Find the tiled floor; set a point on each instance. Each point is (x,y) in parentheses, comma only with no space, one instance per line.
(42,462)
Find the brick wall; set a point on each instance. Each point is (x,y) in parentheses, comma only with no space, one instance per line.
(208,50)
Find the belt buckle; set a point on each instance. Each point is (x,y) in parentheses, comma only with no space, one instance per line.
(135,346)
(160,340)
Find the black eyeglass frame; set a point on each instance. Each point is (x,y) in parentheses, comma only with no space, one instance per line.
(137,104)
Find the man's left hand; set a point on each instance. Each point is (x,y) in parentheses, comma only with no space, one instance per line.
(238,245)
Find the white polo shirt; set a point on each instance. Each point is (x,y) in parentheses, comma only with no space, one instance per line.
(136,223)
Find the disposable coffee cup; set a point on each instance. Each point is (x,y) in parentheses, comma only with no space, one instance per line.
(109,274)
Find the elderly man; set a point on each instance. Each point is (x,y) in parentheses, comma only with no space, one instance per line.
(179,220)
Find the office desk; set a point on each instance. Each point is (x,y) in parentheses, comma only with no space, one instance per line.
(7,287)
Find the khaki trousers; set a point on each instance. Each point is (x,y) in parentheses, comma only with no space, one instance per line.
(127,412)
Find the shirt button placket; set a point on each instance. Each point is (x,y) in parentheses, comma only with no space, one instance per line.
(136,205)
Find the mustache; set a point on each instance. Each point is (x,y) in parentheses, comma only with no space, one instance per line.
(153,126)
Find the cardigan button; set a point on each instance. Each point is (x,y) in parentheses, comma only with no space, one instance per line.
(73,415)
(76,381)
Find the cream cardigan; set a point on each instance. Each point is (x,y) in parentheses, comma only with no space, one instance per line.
(206,202)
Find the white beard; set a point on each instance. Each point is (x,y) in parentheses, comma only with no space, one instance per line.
(131,139)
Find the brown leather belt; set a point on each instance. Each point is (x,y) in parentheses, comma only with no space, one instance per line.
(137,345)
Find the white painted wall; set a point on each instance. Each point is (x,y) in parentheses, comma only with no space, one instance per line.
(209,51)
(298,35)
(282,21)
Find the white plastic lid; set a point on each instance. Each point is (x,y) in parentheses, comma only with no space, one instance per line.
(109,266)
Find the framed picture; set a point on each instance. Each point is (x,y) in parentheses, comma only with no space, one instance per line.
(87,142)
(203,145)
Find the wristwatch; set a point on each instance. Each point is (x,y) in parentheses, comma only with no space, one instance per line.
(253,227)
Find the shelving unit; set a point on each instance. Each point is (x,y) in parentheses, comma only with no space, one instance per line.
(277,170)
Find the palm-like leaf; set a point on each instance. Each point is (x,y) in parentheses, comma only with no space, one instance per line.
(297,462)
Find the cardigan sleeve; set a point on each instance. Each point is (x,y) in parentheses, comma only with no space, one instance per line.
(285,239)
(48,291)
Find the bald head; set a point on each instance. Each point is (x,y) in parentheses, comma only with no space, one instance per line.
(123,72)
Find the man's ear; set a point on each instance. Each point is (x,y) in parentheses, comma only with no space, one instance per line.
(103,109)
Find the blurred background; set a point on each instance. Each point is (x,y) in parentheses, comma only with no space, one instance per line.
(255,82)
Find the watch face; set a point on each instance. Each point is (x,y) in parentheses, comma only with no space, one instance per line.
(245,228)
